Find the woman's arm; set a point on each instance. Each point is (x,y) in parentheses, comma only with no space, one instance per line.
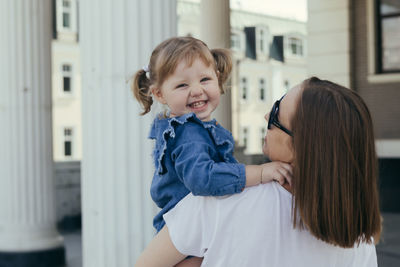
(161,252)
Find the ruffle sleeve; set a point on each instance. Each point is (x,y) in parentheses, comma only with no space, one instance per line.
(164,129)
(223,140)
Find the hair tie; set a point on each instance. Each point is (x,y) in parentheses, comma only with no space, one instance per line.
(147,71)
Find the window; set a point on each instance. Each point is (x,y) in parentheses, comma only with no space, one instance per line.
(244,137)
(262,36)
(287,85)
(67,76)
(68,135)
(66,14)
(262,132)
(244,88)
(235,42)
(295,46)
(261,85)
(388,35)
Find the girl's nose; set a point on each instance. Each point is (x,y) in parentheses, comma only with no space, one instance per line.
(196,91)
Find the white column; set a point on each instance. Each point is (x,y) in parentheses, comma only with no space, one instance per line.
(329,48)
(117,38)
(216,32)
(27,212)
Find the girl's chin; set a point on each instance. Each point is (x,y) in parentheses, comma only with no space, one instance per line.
(203,116)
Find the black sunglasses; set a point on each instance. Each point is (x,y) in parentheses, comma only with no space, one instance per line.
(273,118)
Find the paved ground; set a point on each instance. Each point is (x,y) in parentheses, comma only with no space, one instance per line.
(388,249)
(73,246)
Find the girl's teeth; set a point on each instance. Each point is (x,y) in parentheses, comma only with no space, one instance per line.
(197,104)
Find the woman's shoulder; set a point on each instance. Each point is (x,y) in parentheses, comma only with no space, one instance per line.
(264,194)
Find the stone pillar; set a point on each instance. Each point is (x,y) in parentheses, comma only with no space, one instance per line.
(28,235)
(216,32)
(329,46)
(117,38)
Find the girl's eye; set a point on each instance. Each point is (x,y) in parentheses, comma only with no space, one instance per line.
(181,85)
(205,79)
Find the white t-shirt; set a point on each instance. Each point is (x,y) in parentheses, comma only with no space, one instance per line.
(254,228)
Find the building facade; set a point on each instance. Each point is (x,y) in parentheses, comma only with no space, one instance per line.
(375,72)
(357,43)
(269,57)
(66,82)
(258,78)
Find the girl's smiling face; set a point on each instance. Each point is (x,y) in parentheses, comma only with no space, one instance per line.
(189,89)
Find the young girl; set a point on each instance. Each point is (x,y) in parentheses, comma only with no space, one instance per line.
(193,153)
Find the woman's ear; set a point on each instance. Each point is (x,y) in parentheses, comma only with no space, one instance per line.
(158,95)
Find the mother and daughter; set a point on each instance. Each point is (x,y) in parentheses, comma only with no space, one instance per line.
(326,215)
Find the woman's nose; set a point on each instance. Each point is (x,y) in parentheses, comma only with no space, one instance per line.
(266,117)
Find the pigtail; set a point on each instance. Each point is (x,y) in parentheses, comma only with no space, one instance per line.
(223,61)
(141,90)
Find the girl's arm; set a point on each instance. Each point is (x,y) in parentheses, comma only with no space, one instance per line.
(203,176)
(161,252)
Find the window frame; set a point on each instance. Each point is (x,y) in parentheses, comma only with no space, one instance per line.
(379,38)
(69,74)
(68,138)
(299,42)
(236,39)
(286,85)
(68,11)
(374,77)
(262,40)
(262,87)
(244,137)
(244,85)
(263,132)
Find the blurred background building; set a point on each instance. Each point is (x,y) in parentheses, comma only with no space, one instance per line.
(269,56)
(92,143)
(66,82)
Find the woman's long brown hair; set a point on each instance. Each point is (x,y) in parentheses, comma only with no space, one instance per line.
(335,166)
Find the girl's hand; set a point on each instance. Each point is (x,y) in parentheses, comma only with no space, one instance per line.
(191,262)
(276,171)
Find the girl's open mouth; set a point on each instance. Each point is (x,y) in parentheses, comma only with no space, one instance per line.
(198,104)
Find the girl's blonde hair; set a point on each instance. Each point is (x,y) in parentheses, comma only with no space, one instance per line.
(166,57)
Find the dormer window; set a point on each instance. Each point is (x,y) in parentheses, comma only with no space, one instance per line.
(295,46)
(66,78)
(66,14)
(235,41)
(262,40)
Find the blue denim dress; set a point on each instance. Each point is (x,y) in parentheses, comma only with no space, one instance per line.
(192,156)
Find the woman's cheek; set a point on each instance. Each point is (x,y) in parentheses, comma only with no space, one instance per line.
(265,146)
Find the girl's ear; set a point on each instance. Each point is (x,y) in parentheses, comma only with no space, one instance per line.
(158,95)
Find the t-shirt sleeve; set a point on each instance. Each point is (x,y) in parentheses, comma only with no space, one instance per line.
(190,225)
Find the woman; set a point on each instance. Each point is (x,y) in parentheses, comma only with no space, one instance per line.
(328,217)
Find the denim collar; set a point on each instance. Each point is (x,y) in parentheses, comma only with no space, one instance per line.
(164,128)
